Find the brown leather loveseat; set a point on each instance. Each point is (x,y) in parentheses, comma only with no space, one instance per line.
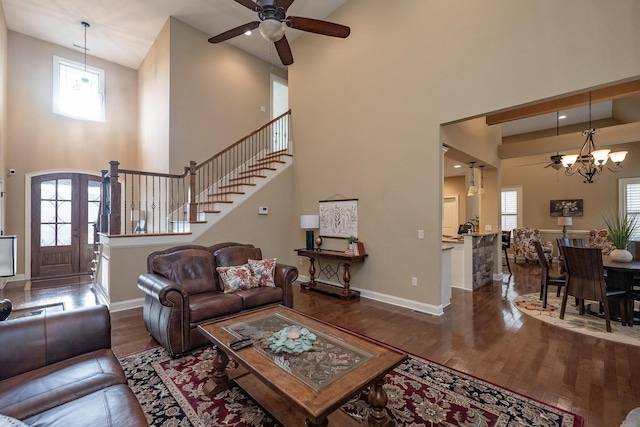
(184,289)
(58,370)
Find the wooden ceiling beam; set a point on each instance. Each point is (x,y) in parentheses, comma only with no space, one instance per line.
(621,90)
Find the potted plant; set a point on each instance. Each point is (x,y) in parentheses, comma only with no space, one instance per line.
(621,228)
(351,239)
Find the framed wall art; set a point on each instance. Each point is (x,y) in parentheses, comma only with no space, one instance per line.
(567,207)
(339,218)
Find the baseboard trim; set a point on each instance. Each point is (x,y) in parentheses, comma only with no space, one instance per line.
(393,300)
(126,305)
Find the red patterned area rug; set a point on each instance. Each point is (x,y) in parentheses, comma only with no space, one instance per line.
(421,393)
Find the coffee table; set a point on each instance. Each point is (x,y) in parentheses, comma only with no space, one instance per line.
(307,387)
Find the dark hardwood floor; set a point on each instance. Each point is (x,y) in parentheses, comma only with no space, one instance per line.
(481,334)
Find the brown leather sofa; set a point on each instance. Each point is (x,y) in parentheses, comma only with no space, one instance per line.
(58,370)
(183,289)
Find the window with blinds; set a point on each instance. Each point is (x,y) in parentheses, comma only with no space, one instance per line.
(510,208)
(630,201)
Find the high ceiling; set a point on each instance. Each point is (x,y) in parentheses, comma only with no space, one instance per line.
(607,113)
(122,31)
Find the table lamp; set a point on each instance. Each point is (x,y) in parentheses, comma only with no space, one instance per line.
(564,221)
(310,222)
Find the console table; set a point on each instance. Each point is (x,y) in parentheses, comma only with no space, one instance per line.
(342,259)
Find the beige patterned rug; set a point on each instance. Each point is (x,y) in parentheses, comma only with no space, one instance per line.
(588,324)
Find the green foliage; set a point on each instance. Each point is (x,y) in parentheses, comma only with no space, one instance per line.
(621,228)
(352,239)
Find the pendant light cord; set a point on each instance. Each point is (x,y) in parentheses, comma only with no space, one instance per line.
(85,24)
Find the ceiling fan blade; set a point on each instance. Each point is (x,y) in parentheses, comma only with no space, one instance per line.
(317,26)
(234,32)
(284,51)
(284,3)
(533,164)
(249,5)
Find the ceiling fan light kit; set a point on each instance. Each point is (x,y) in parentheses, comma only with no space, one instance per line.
(272,29)
(273,23)
(592,159)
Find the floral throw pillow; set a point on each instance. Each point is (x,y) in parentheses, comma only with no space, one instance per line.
(236,278)
(263,271)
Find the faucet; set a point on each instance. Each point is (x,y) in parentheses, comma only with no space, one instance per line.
(473,226)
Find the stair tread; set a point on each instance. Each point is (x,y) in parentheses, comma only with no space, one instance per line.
(223,193)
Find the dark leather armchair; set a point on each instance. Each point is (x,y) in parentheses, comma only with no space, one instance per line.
(183,289)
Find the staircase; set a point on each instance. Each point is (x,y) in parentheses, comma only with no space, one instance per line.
(138,203)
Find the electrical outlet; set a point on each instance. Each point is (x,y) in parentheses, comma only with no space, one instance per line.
(487,227)
(420,234)
(414,281)
(300,261)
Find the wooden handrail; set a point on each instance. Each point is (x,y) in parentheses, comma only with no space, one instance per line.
(162,203)
(241,140)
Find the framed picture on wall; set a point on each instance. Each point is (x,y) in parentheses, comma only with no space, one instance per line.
(339,218)
(572,207)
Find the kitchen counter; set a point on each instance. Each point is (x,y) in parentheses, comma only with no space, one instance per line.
(472,259)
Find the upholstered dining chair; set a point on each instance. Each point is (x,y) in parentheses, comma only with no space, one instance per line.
(506,244)
(546,277)
(585,281)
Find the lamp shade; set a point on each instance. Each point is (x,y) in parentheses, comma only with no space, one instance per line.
(569,159)
(618,156)
(8,255)
(309,221)
(600,156)
(564,220)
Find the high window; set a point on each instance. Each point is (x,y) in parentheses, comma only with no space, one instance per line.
(629,189)
(511,208)
(77,93)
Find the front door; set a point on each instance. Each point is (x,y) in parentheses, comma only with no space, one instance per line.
(64,208)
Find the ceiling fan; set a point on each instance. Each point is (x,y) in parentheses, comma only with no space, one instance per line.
(272,23)
(555,162)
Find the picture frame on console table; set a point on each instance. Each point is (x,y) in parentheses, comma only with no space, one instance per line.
(339,218)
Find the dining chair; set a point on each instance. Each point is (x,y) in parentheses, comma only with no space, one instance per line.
(546,277)
(585,281)
(506,244)
(565,241)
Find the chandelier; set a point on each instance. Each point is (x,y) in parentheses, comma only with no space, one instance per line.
(592,159)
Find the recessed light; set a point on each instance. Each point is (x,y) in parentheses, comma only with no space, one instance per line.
(562,117)
(457,166)
(247,33)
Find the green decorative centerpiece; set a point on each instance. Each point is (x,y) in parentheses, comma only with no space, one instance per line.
(621,229)
(292,339)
